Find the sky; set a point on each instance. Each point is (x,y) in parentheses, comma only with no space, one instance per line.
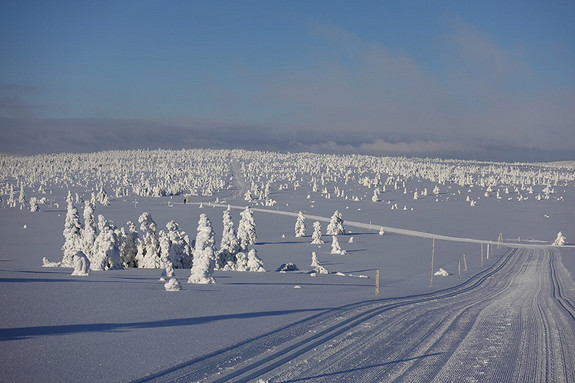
(485,80)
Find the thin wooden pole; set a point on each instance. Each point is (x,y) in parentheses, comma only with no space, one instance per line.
(488,250)
(464,262)
(432,258)
(458,269)
(481,253)
(377,283)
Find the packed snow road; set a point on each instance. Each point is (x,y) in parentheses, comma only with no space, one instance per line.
(513,322)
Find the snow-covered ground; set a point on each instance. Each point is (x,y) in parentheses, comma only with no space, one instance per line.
(508,316)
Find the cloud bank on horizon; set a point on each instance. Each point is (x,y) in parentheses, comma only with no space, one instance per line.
(490,82)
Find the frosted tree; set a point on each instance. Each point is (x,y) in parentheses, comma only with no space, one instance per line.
(106,254)
(247,229)
(241,261)
(559,240)
(22,195)
(300,225)
(255,264)
(229,245)
(89,233)
(203,253)
(335,248)
(316,236)
(72,236)
(335,226)
(314,260)
(148,255)
(102,196)
(180,251)
(11,200)
(128,245)
(34,205)
(166,252)
(81,264)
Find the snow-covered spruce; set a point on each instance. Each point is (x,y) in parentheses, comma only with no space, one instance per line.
(81,264)
(167,267)
(203,253)
(335,248)
(229,245)
(89,233)
(128,245)
(106,254)
(72,236)
(559,240)
(335,226)
(180,253)
(34,205)
(250,262)
(316,235)
(148,255)
(314,260)
(300,225)
(247,229)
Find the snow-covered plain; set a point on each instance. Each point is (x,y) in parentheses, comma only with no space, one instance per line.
(506,317)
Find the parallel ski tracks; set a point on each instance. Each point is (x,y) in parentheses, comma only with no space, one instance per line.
(272,350)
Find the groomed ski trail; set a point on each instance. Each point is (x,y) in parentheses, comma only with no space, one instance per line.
(510,323)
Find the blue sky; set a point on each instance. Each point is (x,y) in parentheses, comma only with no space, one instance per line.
(486,80)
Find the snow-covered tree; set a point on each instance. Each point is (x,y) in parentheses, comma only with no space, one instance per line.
(335,248)
(247,229)
(72,236)
(229,245)
(314,260)
(300,225)
(180,251)
(89,233)
(316,235)
(128,245)
(106,253)
(22,195)
(148,255)
(165,254)
(559,240)
(34,205)
(335,226)
(255,264)
(203,253)
(81,264)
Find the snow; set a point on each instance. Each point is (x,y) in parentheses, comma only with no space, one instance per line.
(125,324)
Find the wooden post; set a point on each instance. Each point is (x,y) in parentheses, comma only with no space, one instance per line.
(376,283)
(458,269)
(481,253)
(464,262)
(488,249)
(431,266)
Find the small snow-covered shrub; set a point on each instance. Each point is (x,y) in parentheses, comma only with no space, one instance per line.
(441,272)
(81,264)
(287,267)
(47,263)
(172,285)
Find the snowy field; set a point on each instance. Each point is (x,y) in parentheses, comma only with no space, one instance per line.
(503,310)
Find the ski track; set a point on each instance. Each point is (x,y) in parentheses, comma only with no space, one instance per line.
(511,322)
